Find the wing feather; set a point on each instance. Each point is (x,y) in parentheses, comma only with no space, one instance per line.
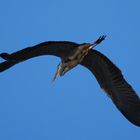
(112,81)
(57,48)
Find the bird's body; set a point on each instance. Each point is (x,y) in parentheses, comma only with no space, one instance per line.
(75,57)
(107,74)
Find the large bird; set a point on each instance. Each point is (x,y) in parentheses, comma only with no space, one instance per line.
(107,74)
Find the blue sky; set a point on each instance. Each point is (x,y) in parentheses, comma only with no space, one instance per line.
(74,108)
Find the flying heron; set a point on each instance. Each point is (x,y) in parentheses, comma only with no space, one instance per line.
(107,74)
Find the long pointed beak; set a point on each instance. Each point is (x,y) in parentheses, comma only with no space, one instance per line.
(57,73)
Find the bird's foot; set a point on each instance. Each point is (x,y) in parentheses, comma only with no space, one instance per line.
(100,39)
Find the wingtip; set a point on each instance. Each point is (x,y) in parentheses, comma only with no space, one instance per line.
(4,56)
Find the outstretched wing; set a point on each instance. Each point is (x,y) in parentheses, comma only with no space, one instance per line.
(57,48)
(113,83)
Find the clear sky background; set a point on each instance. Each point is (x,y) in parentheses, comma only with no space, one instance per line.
(74,108)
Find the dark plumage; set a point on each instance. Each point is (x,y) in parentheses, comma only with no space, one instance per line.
(107,74)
